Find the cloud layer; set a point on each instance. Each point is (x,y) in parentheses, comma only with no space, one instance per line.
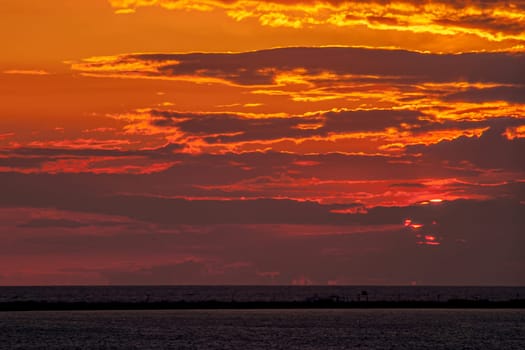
(151,157)
(492,20)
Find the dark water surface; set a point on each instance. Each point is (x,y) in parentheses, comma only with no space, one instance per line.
(265,329)
(262,329)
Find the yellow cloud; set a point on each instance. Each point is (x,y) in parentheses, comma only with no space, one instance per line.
(26,72)
(494,21)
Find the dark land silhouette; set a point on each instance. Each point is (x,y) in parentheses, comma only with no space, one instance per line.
(333,303)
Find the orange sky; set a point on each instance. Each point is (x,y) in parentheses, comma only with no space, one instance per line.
(347,114)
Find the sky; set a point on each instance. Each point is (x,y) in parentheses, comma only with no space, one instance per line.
(282,142)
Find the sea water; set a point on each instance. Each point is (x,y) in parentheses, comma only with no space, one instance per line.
(262,329)
(265,329)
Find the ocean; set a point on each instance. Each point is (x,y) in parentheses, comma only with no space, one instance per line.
(261,329)
(265,329)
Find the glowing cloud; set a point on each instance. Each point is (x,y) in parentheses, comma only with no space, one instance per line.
(494,20)
(26,71)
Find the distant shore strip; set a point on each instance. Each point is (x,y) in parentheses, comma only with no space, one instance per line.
(244,305)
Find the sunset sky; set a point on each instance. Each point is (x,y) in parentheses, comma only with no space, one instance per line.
(262,142)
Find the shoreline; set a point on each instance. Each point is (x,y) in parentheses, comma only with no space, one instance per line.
(258,305)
